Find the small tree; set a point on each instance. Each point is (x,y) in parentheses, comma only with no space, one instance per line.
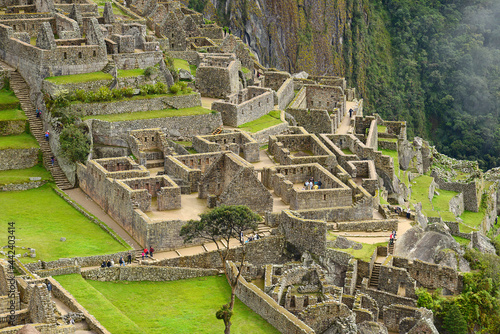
(453,321)
(223,223)
(75,145)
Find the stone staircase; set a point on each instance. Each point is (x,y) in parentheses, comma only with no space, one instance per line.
(21,89)
(390,248)
(375,276)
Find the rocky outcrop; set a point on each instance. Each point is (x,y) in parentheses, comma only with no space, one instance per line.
(434,244)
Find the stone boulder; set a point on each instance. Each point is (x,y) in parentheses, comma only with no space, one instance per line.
(434,244)
(482,243)
(371,327)
(185,74)
(344,243)
(301,75)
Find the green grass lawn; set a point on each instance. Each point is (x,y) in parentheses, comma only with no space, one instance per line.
(42,218)
(473,219)
(461,241)
(151,114)
(465,229)
(7,99)
(393,140)
(347,151)
(21,141)
(181,63)
(130,73)
(381,128)
(364,253)
(139,97)
(441,201)
(79,78)
(420,192)
(12,115)
(184,306)
(263,122)
(23,175)
(395,158)
(245,70)
(184,143)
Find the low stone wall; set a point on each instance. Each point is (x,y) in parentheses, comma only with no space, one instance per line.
(285,94)
(12,127)
(192,57)
(52,89)
(129,106)
(259,252)
(87,261)
(337,256)
(384,298)
(262,136)
(387,145)
(22,186)
(369,226)
(267,308)
(128,61)
(146,273)
(455,230)
(472,191)
(59,271)
(64,296)
(18,158)
(41,328)
(116,133)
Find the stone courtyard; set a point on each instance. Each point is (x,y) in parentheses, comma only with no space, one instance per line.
(158,159)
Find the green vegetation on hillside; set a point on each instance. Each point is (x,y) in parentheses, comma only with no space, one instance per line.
(79,78)
(8,99)
(12,115)
(263,122)
(42,218)
(181,63)
(151,114)
(185,306)
(130,73)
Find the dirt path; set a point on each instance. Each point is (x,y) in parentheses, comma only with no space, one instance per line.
(345,125)
(88,204)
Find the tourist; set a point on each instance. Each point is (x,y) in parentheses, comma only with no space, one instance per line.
(394,234)
(319,184)
(391,239)
(146,252)
(350,113)
(47,134)
(143,254)
(52,160)
(38,112)
(112,263)
(408,214)
(316,187)
(257,236)
(103,264)
(151,250)
(122,263)
(496,220)
(157,48)
(306,184)
(108,264)
(49,288)
(129,258)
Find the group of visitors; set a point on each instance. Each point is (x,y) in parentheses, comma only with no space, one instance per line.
(398,210)
(253,237)
(109,263)
(148,252)
(392,237)
(312,185)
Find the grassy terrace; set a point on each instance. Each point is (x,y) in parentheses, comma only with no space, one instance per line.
(130,73)
(394,155)
(393,140)
(7,99)
(264,122)
(42,218)
(181,63)
(79,78)
(21,141)
(347,151)
(139,97)
(184,306)
(381,128)
(151,114)
(23,175)
(12,115)
(364,253)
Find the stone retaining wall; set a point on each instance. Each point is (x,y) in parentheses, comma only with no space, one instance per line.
(146,273)
(305,234)
(59,271)
(18,158)
(130,106)
(87,261)
(128,61)
(266,307)
(12,127)
(369,226)
(22,186)
(262,136)
(52,89)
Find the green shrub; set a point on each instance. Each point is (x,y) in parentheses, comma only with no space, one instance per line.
(160,88)
(75,145)
(80,95)
(104,94)
(188,90)
(175,88)
(117,93)
(182,85)
(6,83)
(128,91)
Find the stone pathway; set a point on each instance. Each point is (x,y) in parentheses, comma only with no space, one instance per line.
(345,125)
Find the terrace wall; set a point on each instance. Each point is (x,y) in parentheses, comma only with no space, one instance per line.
(18,158)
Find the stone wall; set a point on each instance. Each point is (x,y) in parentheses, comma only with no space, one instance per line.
(128,61)
(192,57)
(116,133)
(384,298)
(471,190)
(281,147)
(12,127)
(59,271)
(145,273)
(266,307)
(52,89)
(396,281)
(22,186)
(18,158)
(431,276)
(85,261)
(247,105)
(305,234)
(237,142)
(217,76)
(262,136)
(268,250)
(136,105)
(368,225)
